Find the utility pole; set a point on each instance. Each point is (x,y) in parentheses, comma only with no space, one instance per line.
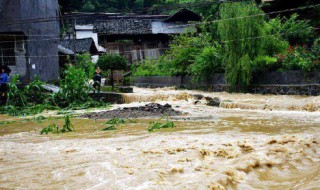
(74,36)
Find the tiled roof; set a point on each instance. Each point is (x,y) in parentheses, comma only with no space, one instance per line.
(81,46)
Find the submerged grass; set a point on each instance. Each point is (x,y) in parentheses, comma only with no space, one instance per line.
(157,125)
(109,128)
(54,128)
(7,122)
(112,123)
(116,121)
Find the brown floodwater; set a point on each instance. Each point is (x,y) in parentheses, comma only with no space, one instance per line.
(232,149)
(250,142)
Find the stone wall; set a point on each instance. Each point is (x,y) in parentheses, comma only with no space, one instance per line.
(286,83)
(157,81)
(108,97)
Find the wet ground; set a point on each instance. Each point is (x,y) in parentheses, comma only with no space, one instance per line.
(210,148)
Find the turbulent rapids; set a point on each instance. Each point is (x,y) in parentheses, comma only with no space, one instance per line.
(248,142)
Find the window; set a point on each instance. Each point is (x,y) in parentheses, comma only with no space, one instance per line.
(19,46)
(7,53)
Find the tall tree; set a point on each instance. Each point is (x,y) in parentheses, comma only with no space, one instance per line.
(239,30)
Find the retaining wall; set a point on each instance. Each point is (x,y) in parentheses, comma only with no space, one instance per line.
(288,82)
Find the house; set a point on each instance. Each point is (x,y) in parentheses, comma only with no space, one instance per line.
(137,37)
(80,46)
(140,37)
(29,37)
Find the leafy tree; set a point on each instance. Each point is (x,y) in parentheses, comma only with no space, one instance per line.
(292,29)
(240,40)
(207,62)
(112,62)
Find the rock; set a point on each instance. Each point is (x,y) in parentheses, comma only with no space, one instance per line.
(126,89)
(196,102)
(208,98)
(215,102)
(198,96)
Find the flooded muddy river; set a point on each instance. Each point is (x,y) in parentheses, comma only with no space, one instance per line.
(210,148)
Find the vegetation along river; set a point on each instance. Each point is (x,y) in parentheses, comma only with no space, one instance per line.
(249,142)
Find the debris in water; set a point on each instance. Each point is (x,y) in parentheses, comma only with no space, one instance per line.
(149,110)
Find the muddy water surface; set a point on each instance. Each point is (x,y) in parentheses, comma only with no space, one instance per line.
(238,152)
(210,148)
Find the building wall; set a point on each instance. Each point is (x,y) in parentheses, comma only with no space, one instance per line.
(42,38)
(86,31)
(159,27)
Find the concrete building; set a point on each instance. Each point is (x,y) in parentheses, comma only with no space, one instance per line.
(29,38)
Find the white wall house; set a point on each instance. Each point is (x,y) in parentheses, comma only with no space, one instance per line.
(86,31)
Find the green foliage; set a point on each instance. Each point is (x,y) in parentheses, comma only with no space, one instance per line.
(300,58)
(140,6)
(297,31)
(84,62)
(159,67)
(239,52)
(34,91)
(116,121)
(265,63)
(15,97)
(112,123)
(53,128)
(112,62)
(74,88)
(209,61)
(68,126)
(240,75)
(157,125)
(292,29)
(109,128)
(183,50)
(7,122)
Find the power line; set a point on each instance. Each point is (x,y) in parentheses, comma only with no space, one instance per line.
(137,51)
(214,21)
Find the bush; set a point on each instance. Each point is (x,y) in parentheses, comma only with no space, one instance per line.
(206,63)
(84,62)
(299,59)
(15,96)
(159,67)
(265,63)
(74,88)
(112,62)
(34,91)
(292,29)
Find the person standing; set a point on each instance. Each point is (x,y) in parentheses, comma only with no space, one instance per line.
(3,82)
(97,80)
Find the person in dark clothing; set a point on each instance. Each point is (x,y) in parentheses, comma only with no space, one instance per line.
(7,70)
(97,80)
(3,84)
